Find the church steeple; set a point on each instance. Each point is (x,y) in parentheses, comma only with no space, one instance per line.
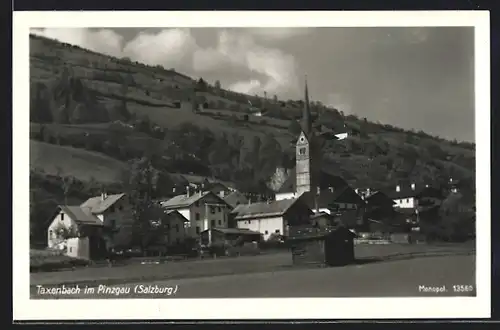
(306,113)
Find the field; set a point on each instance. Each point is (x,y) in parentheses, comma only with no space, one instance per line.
(367,255)
(81,164)
(393,276)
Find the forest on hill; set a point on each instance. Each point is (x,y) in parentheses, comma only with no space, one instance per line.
(97,114)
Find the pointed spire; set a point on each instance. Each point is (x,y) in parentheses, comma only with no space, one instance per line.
(306,112)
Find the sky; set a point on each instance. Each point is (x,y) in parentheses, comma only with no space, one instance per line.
(418,78)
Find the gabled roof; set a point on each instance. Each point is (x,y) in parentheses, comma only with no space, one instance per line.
(264,209)
(80,216)
(375,196)
(183,201)
(97,205)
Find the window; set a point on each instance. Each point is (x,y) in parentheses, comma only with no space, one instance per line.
(407,200)
(51,233)
(197,203)
(112,223)
(177,227)
(120,207)
(197,216)
(277,231)
(249,221)
(62,216)
(70,249)
(212,209)
(220,222)
(112,208)
(219,209)
(266,232)
(197,229)
(212,223)
(302,151)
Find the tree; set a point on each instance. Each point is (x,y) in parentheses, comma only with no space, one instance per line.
(40,103)
(139,182)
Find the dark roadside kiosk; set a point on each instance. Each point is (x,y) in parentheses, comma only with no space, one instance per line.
(333,246)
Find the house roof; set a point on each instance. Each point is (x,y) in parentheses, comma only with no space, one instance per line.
(326,198)
(97,205)
(377,196)
(235,198)
(263,209)
(80,215)
(326,180)
(183,201)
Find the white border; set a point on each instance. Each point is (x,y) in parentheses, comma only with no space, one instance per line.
(352,308)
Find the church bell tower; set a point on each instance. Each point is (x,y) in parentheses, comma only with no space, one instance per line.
(306,176)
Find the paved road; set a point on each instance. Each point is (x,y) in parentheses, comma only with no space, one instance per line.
(385,279)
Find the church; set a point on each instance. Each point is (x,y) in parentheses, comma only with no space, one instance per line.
(321,190)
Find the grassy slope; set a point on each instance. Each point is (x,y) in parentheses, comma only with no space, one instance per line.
(154,91)
(79,163)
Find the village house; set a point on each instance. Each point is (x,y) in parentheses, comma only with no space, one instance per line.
(86,230)
(203,210)
(273,217)
(412,195)
(168,227)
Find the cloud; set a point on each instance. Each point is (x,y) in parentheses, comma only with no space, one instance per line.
(240,50)
(169,47)
(103,40)
(267,68)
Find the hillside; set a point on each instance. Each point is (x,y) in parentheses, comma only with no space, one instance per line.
(81,164)
(77,93)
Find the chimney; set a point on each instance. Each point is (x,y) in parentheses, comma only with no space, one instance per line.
(413,186)
(368,191)
(221,194)
(188,191)
(200,193)
(104,196)
(398,188)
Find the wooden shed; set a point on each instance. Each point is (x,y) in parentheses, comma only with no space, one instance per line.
(330,247)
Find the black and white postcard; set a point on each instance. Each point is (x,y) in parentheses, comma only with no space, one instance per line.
(230,165)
